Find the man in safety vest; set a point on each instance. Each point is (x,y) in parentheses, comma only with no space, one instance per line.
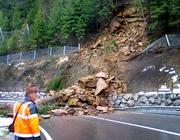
(26,126)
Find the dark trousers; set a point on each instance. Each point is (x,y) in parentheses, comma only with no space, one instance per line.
(31,138)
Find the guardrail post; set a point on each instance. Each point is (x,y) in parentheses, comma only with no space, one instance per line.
(64,51)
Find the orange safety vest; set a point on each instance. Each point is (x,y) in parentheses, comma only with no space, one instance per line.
(27,121)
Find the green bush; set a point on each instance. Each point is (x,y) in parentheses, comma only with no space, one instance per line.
(4,48)
(45,108)
(4,112)
(42,109)
(109,47)
(56,83)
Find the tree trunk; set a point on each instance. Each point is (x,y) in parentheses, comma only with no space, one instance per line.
(148,5)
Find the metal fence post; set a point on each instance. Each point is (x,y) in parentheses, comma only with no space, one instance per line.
(79,46)
(64,51)
(20,56)
(34,54)
(7,59)
(167,39)
(27,27)
(50,52)
(1,34)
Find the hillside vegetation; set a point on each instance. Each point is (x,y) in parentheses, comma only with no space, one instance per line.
(37,23)
(112,36)
(110,32)
(120,41)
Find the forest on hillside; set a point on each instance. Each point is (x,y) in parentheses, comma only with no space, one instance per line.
(32,24)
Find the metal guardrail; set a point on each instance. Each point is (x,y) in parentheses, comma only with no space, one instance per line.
(40,53)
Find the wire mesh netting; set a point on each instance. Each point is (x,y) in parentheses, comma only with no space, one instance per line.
(13,57)
(70,49)
(40,53)
(28,55)
(22,35)
(174,40)
(3,59)
(165,41)
(57,51)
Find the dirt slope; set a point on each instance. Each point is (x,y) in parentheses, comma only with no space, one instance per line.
(123,39)
(114,51)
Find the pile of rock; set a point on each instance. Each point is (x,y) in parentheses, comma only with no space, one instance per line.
(127,29)
(89,96)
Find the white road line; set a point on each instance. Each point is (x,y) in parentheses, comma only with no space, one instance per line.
(136,125)
(48,137)
(135,113)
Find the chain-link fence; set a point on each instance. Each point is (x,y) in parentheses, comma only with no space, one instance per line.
(40,53)
(34,54)
(165,41)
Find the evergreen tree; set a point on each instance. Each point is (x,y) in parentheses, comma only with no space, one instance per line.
(175,15)
(164,16)
(159,16)
(104,10)
(78,15)
(38,34)
(33,8)
(16,22)
(55,18)
(3,21)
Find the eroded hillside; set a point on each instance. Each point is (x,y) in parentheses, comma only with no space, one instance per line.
(114,52)
(121,41)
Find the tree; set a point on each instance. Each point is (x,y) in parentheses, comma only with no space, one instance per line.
(174,15)
(54,26)
(73,22)
(78,15)
(16,22)
(164,16)
(3,21)
(103,10)
(32,10)
(159,16)
(38,34)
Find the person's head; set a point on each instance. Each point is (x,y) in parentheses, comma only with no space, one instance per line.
(31,91)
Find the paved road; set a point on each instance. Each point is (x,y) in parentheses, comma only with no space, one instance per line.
(116,126)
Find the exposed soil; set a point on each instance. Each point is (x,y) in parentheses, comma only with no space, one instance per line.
(148,72)
(114,51)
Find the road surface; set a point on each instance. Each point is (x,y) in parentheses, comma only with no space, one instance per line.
(116,126)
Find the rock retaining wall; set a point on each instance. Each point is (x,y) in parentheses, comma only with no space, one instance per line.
(18,95)
(145,99)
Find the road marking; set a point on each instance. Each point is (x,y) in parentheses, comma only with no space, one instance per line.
(136,125)
(136,113)
(48,137)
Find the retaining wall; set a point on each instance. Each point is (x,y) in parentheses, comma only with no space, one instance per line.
(145,99)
